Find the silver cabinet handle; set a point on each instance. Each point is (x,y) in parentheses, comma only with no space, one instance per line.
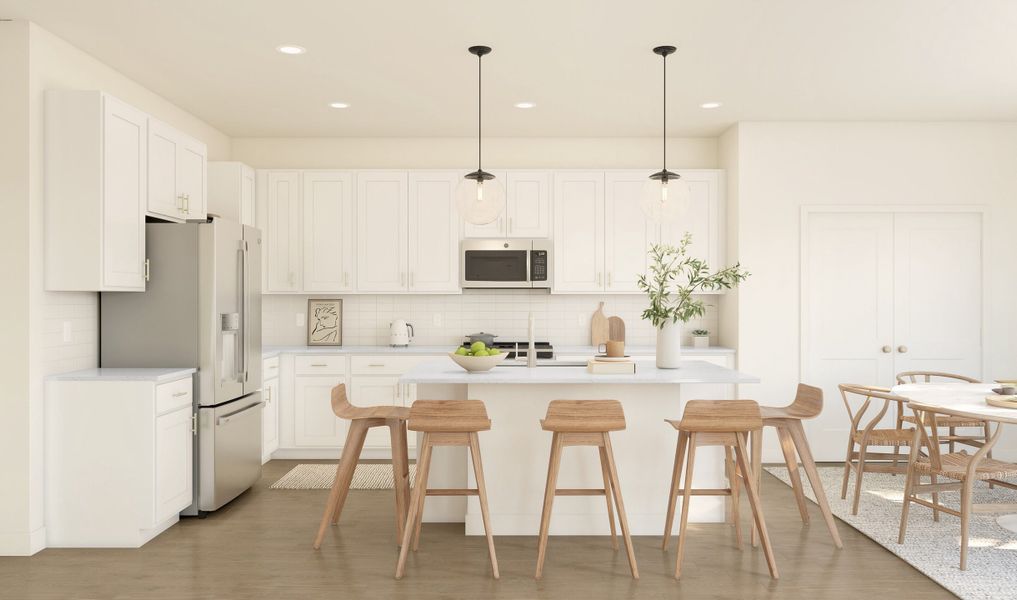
(346,278)
(600,277)
(608,279)
(148,270)
(319,364)
(178,394)
(887,349)
(902,349)
(194,424)
(376,365)
(268,395)
(187,203)
(510,224)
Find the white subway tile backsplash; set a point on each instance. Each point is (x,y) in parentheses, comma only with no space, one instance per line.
(562,320)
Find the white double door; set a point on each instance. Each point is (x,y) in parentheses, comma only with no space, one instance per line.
(885,292)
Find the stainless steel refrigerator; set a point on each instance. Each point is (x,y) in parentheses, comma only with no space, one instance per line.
(201,308)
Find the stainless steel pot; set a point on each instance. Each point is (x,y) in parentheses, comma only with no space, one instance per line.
(487,338)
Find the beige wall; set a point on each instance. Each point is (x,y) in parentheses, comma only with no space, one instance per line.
(33,61)
(17,523)
(454,153)
(784,166)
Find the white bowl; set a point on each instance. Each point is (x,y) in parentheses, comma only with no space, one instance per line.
(477,364)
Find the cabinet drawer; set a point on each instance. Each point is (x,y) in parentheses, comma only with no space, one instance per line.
(174,394)
(323,364)
(270,368)
(385,365)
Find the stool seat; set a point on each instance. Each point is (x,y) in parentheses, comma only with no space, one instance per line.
(583,416)
(783,412)
(448,416)
(719,416)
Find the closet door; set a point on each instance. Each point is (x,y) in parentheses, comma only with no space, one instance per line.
(938,292)
(847,314)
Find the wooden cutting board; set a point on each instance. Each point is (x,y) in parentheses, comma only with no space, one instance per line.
(616,329)
(600,330)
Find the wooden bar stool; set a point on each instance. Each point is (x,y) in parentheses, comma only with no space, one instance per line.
(787,420)
(716,423)
(446,423)
(584,423)
(362,419)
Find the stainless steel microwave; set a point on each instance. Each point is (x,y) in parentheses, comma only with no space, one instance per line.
(505,263)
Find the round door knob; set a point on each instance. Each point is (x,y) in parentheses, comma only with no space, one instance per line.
(902,349)
(887,349)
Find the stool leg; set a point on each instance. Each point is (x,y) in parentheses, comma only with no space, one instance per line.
(787,446)
(676,475)
(424,466)
(756,439)
(607,496)
(757,509)
(343,477)
(732,479)
(416,503)
(809,464)
(616,490)
(400,473)
(545,515)
(478,471)
(686,496)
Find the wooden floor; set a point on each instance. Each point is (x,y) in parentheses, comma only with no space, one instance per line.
(260,547)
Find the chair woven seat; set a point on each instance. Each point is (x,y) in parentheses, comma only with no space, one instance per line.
(945,421)
(955,466)
(886,437)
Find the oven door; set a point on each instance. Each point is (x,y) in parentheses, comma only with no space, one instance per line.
(495,264)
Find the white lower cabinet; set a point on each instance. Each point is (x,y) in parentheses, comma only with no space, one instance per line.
(119,458)
(315,425)
(270,419)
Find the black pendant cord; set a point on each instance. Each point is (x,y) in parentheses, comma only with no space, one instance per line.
(664,167)
(480,112)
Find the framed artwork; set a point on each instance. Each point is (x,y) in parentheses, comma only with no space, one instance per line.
(324,322)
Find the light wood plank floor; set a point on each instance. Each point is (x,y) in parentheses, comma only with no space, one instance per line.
(260,547)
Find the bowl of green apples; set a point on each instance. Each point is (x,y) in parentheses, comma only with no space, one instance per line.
(477,358)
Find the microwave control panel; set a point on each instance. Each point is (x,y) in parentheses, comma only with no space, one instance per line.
(538,265)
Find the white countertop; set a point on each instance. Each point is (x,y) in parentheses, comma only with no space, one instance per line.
(270,351)
(444,371)
(125,374)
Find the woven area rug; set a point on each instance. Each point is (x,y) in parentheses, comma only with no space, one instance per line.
(932,548)
(320,476)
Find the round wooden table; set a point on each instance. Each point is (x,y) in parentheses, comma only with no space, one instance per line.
(961,400)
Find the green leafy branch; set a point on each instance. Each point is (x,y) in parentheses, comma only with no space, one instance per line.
(675,277)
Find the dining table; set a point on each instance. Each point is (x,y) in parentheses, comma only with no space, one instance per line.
(962,400)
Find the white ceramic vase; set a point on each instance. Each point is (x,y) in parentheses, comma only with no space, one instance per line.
(669,346)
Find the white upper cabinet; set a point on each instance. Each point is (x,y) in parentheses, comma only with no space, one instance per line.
(283,257)
(433,225)
(702,217)
(527,211)
(628,234)
(328,231)
(231,191)
(176,174)
(579,231)
(528,204)
(95,192)
(382,226)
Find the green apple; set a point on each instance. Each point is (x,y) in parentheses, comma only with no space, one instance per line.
(493,352)
(461,351)
(478,347)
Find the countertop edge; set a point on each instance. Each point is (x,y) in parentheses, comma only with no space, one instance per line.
(154,375)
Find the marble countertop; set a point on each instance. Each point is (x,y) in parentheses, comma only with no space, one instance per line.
(270,351)
(444,371)
(124,374)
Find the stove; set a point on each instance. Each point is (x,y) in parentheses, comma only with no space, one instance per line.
(544,350)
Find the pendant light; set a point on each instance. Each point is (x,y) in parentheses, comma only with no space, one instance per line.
(480,197)
(665,196)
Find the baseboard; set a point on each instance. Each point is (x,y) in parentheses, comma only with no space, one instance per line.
(333,454)
(23,544)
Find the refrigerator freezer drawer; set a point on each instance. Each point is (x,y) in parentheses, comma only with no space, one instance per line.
(230,453)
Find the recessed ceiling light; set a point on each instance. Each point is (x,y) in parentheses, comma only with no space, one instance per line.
(338,105)
(525,104)
(710,105)
(290,49)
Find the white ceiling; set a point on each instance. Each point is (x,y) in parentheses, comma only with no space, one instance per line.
(402,65)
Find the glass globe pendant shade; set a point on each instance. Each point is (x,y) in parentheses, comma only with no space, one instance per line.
(665,200)
(480,200)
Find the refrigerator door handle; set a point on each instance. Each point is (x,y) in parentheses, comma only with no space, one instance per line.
(244,308)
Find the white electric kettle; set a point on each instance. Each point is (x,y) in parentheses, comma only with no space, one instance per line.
(400,333)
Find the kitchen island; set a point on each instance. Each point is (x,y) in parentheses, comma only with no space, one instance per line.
(516,450)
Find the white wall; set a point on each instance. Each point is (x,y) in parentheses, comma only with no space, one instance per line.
(451,153)
(563,320)
(34,61)
(784,166)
